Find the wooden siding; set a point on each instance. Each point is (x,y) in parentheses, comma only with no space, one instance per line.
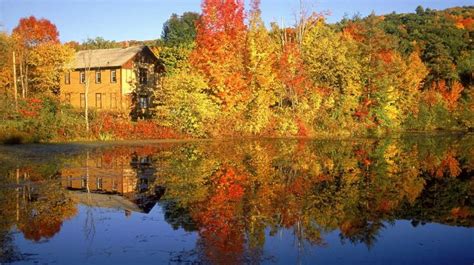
(112,95)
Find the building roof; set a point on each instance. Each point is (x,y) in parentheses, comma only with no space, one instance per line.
(105,201)
(104,58)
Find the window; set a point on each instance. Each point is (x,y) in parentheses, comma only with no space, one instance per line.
(145,160)
(83,100)
(67,78)
(82,77)
(114,185)
(83,182)
(69,182)
(99,183)
(98,162)
(98,77)
(67,98)
(143,102)
(113,76)
(98,100)
(142,75)
(113,100)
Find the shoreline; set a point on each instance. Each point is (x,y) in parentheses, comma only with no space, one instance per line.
(138,142)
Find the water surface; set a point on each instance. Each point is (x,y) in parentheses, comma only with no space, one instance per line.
(404,200)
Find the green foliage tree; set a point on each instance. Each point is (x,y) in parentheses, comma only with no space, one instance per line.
(98,43)
(442,37)
(174,59)
(179,31)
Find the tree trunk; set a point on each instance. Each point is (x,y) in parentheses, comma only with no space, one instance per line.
(14,82)
(86,102)
(26,80)
(86,88)
(22,80)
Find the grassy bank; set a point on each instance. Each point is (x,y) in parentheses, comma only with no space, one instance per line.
(46,120)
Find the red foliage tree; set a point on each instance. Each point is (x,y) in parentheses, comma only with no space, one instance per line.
(38,50)
(32,32)
(292,73)
(451,96)
(220,49)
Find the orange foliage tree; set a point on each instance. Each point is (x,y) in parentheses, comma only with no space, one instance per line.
(220,49)
(41,57)
(32,32)
(452,95)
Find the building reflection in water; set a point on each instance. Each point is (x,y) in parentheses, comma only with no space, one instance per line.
(123,182)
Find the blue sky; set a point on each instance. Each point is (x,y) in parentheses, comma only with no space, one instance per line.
(143,19)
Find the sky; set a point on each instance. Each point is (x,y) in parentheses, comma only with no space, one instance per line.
(143,19)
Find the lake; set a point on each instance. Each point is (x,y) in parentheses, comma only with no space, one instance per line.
(398,200)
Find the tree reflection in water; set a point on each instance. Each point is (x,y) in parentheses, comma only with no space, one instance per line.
(236,194)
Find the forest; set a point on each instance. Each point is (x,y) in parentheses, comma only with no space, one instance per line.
(228,74)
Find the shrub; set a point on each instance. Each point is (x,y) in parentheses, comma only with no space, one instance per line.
(11,135)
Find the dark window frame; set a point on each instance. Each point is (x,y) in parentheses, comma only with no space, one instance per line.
(144,102)
(142,76)
(113,100)
(113,76)
(98,99)
(82,77)
(98,77)
(69,181)
(100,184)
(114,185)
(83,182)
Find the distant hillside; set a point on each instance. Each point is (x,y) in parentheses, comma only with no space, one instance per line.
(444,39)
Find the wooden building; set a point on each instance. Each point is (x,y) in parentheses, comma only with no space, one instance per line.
(119,79)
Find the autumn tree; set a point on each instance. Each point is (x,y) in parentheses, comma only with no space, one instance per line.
(335,71)
(260,71)
(6,72)
(32,32)
(183,104)
(73,45)
(451,95)
(382,67)
(48,62)
(292,73)
(220,50)
(41,56)
(441,38)
(174,59)
(413,80)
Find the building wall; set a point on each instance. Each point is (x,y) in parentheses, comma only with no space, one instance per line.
(111,94)
(119,95)
(114,178)
(129,78)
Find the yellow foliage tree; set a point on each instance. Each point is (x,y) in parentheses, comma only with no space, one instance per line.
(261,76)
